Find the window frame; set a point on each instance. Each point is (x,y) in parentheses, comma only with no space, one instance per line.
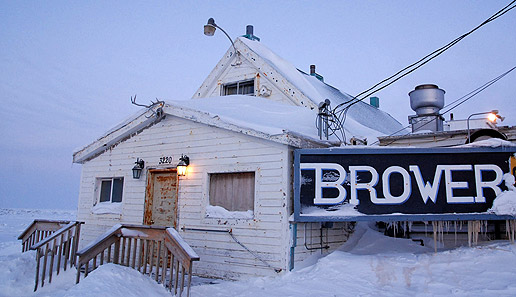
(249,195)
(208,219)
(224,88)
(100,191)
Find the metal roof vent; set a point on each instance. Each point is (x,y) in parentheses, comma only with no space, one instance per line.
(317,75)
(426,100)
(249,33)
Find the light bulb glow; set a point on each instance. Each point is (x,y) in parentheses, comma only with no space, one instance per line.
(492,117)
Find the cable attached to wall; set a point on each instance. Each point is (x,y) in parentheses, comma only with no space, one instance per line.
(230,232)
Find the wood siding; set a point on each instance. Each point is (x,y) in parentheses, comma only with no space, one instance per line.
(211,150)
(252,66)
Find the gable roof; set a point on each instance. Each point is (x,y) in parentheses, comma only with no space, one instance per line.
(248,115)
(292,125)
(302,89)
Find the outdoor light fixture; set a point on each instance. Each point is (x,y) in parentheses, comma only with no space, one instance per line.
(210,27)
(184,161)
(209,30)
(138,167)
(491,116)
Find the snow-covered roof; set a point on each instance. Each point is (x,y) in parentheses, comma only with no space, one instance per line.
(254,116)
(317,91)
(288,124)
(262,115)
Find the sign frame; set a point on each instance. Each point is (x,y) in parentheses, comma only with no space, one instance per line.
(298,217)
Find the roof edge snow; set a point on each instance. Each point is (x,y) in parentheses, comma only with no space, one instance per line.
(148,118)
(142,120)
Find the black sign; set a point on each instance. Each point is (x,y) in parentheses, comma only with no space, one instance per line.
(347,182)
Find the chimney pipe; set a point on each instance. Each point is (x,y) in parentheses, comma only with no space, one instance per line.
(312,69)
(249,30)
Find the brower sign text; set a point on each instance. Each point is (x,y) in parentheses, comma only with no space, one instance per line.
(404,181)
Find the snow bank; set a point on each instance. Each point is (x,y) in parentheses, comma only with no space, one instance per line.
(505,203)
(116,281)
(373,265)
(222,213)
(368,264)
(107,208)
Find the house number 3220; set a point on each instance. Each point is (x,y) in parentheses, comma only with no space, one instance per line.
(165,160)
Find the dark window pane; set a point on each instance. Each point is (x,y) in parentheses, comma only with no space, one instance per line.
(246,88)
(118,185)
(105,191)
(242,88)
(230,89)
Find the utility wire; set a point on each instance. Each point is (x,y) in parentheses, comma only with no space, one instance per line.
(462,99)
(407,70)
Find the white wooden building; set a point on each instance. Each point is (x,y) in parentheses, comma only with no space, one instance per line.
(235,202)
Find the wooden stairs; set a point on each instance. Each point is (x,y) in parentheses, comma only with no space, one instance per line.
(159,252)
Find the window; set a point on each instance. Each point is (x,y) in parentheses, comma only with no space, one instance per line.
(111,189)
(240,88)
(232,191)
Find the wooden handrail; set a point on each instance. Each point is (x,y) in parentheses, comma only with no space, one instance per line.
(38,230)
(53,236)
(49,238)
(159,252)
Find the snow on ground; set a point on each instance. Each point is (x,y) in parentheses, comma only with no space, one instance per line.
(369,264)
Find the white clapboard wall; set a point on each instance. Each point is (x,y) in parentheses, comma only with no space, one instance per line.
(210,150)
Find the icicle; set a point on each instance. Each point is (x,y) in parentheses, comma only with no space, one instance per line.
(441,231)
(434,228)
(513,228)
(455,231)
(474,228)
(510,226)
(410,226)
(469,233)
(426,225)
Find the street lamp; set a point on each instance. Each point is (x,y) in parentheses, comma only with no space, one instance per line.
(491,116)
(209,30)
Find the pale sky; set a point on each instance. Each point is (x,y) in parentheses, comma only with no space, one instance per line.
(69,68)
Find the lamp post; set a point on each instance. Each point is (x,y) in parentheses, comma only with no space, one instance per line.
(492,116)
(209,30)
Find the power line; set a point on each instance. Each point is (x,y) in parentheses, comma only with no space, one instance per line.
(412,67)
(462,99)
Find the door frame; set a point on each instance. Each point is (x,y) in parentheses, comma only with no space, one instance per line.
(149,192)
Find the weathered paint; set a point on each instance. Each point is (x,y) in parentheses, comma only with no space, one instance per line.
(252,64)
(161,198)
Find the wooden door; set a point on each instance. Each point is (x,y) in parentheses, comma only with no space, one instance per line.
(161,198)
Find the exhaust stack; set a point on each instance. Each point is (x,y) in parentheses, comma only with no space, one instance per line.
(427,101)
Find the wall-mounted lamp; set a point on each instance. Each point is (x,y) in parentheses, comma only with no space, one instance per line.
(138,167)
(184,161)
